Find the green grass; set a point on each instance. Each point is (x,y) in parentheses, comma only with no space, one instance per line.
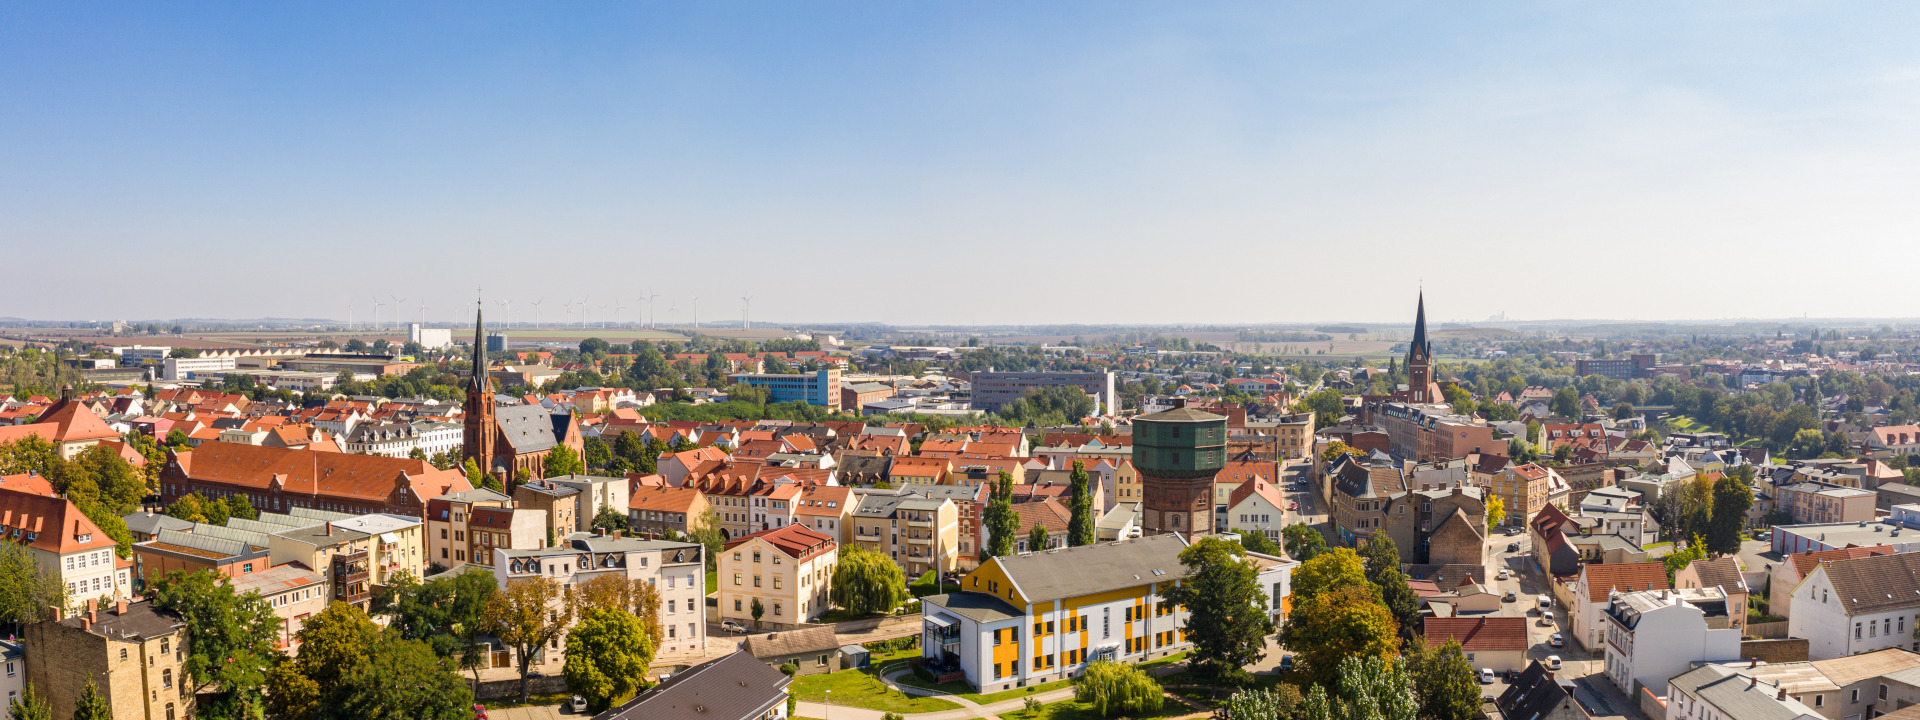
(862,689)
(840,614)
(1076,710)
(713,581)
(1017,693)
(961,690)
(1650,546)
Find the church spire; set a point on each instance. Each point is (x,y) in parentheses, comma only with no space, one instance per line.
(1419,344)
(479,349)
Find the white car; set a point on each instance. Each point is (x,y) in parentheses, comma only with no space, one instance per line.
(1553,662)
(1545,602)
(1505,573)
(1557,641)
(1486,676)
(1546,617)
(734,627)
(578,704)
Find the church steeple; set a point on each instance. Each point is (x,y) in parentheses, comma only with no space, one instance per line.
(1419,345)
(479,374)
(1419,357)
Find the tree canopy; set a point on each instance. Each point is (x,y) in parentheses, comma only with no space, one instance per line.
(866,582)
(1227,622)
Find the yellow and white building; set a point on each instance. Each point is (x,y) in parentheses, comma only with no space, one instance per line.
(1042,616)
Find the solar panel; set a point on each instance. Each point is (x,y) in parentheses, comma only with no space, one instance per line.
(256,539)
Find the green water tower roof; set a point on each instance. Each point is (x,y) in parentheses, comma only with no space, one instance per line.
(1182,415)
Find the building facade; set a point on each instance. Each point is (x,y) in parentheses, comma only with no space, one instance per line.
(995,390)
(787,570)
(820,387)
(132,652)
(1177,453)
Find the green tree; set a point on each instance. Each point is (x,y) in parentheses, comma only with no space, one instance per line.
(238,506)
(598,454)
(443,612)
(1332,626)
(607,657)
(758,610)
(527,615)
(1281,702)
(29,707)
(399,679)
(1732,497)
(562,460)
(1682,557)
(1113,690)
(231,640)
(866,582)
(1370,688)
(1258,542)
(618,593)
(1302,541)
(1622,410)
(480,479)
(1227,620)
(998,519)
(91,706)
(610,519)
(1329,571)
(1566,403)
(1445,684)
(1037,538)
(1326,405)
(1383,570)
(26,589)
(1080,503)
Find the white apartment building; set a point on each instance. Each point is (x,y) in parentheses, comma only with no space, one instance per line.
(675,569)
(1593,594)
(64,542)
(596,492)
(1653,636)
(433,437)
(1854,606)
(174,368)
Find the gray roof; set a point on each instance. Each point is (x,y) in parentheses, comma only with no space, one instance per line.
(318,535)
(528,428)
(956,493)
(147,523)
(1181,414)
(880,506)
(141,620)
(819,638)
(735,687)
(1738,697)
(475,495)
(1089,569)
(978,607)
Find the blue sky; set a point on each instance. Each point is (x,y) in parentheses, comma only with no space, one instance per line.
(965,162)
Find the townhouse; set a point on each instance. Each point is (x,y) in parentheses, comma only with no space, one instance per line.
(133,652)
(788,571)
(676,570)
(1651,636)
(1593,595)
(66,544)
(1854,606)
(656,511)
(919,533)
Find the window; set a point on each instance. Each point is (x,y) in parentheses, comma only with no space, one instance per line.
(736,604)
(1856,631)
(1819,700)
(166,679)
(1106,623)
(820,661)
(996,641)
(123,653)
(736,578)
(1854,696)
(756,581)
(166,646)
(997,674)
(1883,691)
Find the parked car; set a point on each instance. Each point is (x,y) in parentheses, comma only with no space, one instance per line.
(1505,573)
(1546,617)
(1553,662)
(731,626)
(1557,641)
(1486,676)
(579,704)
(1545,602)
(1511,531)
(1513,547)
(1286,662)
(1293,506)
(479,711)
(1512,596)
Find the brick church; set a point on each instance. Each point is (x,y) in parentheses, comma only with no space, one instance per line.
(511,441)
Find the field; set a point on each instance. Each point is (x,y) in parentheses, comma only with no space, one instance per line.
(518,334)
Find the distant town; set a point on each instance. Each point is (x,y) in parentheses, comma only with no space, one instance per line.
(504,518)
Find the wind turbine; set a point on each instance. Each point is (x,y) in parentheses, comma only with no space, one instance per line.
(396,309)
(349,316)
(375,325)
(569,318)
(653,305)
(423,312)
(603,314)
(584,307)
(536,311)
(746,305)
(618,313)
(507,306)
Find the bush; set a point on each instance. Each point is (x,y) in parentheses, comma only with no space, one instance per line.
(1113,689)
(790,669)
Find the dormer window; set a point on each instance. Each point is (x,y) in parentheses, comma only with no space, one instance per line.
(86,537)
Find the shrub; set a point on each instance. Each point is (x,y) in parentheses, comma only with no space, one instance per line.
(790,669)
(1114,689)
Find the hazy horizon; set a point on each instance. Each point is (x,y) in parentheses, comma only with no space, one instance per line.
(985,164)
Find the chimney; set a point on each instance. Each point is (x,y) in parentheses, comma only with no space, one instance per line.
(120,606)
(58,613)
(1752,682)
(599,532)
(617,534)
(1782,695)
(1753,663)
(329,528)
(86,623)
(93,611)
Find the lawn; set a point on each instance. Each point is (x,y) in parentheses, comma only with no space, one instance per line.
(961,690)
(1076,710)
(713,581)
(840,615)
(859,688)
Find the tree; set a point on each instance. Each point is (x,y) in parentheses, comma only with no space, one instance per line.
(1383,570)
(1258,542)
(867,582)
(607,655)
(1037,538)
(1332,626)
(1113,690)
(998,519)
(231,640)
(597,454)
(1329,571)
(1302,541)
(527,615)
(1680,558)
(1281,702)
(1369,688)
(1566,403)
(610,519)
(443,612)
(1732,497)
(29,707)
(91,706)
(1227,620)
(1496,511)
(707,533)
(1622,410)
(562,460)
(1336,449)
(758,610)
(1326,405)
(1080,503)
(238,506)
(1445,684)
(26,589)
(618,593)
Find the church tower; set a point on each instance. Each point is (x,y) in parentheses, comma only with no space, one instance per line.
(1177,453)
(480,435)
(1420,357)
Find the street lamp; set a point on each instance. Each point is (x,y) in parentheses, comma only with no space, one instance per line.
(829,709)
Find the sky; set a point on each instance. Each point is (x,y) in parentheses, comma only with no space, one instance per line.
(962,163)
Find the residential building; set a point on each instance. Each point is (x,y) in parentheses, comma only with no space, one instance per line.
(227,552)
(1294,435)
(1525,489)
(1788,539)
(1652,636)
(1496,643)
(1439,526)
(282,479)
(1593,595)
(919,533)
(1257,507)
(1787,574)
(596,493)
(821,387)
(1854,606)
(65,543)
(133,652)
(813,650)
(676,571)
(788,571)
(828,510)
(1888,441)
(13,660)
(1616,368)
(655,511)
(1537,695)
(1723,573)
(68,424)
(449,536)
(732,687)
(1727,691)
(995,390)
(559,503)
(1032,618)
(1810,503)
(491,528)
(295,594)
(1360,496)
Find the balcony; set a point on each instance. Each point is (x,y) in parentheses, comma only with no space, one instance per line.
(920,523)
(863,537)
(920,541)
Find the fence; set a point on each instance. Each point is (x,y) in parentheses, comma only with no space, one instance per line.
(1767,630)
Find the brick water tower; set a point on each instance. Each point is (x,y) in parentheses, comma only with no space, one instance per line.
(1177,453)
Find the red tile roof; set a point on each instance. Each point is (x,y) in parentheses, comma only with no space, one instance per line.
(366,478)
(1602,579)
(1478,633)
(55,525)
(663,499)
(795,541)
